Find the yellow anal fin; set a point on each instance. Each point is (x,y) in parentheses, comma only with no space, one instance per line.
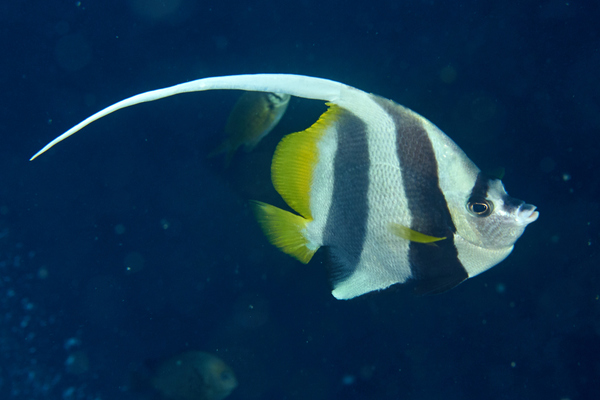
(412,235)
(295,159)
(284,230)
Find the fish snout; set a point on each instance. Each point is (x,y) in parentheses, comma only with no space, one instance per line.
(526,214)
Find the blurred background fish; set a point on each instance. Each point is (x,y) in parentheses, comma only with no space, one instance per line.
(254,115)
(191,375)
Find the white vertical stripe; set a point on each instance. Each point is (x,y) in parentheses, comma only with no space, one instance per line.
(384,260)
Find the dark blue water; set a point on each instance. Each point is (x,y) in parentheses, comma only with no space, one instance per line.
(126,242)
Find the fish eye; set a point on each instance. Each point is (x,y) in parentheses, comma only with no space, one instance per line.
(480,208)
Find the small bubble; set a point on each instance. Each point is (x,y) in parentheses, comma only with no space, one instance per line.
(119,229)
(500,288)
(513,364)
(25,321)
(134,262)
(42,273)
(77,363)
(68,393)
(72,342)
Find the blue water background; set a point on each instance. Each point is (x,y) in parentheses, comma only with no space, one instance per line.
(126,243)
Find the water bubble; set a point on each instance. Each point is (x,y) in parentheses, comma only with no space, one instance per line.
(72,342)
(134,262)
(500,288)
(119,229)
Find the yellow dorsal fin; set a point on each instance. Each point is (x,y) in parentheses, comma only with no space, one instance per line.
(295,159)
(284,230)
(412,235)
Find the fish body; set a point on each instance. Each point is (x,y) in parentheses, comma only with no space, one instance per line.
(253,117)
(192,375)
(394,198)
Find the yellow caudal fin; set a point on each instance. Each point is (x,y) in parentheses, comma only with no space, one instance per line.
(284,230)
(295,159)
(412,235)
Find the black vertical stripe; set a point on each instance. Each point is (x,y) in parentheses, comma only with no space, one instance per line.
(435,266)
(481,186)
(346,226)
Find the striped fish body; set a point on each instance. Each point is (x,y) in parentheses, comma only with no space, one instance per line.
(392,196)
(367,181)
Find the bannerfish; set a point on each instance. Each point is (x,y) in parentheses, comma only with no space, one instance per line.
(253,117)
(191,375)
(391,195)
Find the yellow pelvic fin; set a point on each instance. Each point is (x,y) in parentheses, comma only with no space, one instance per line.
(284,230)
(412,235)
(295,159)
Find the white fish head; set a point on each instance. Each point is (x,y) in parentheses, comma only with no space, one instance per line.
(494,219)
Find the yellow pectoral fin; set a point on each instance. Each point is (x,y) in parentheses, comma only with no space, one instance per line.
(284,230)
(412,235)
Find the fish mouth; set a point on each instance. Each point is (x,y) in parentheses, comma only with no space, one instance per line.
(526,214)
